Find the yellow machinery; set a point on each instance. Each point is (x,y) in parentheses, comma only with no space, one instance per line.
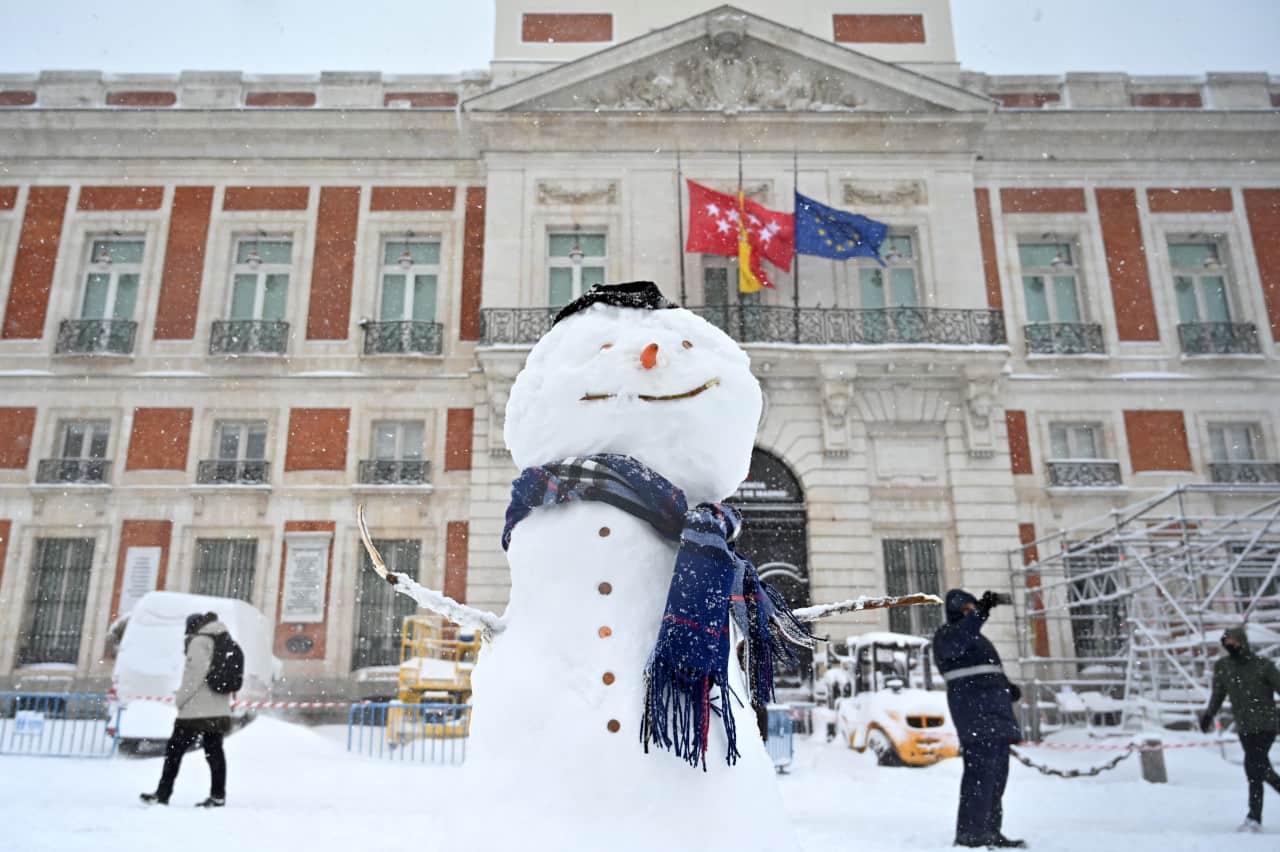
(436,660)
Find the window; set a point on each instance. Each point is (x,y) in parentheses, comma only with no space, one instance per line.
(1234,442)
(111,283)
(719,289)
(1199,281)
(239,449)
(224,567)
(81,453)
(410,271)
(576,262)
(913,565)
(380,612)
(56,599)
(893,285)
(1075,441)
(260,278)
(397,454)
(1050,282)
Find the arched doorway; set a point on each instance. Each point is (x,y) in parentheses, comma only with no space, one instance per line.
(775,536)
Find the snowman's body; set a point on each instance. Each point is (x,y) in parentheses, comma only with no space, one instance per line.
(559,693)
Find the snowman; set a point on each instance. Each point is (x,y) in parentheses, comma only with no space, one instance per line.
(615,703)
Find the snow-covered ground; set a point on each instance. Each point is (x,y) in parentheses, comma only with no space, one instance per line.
(294,787)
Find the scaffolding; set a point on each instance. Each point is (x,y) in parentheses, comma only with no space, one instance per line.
(1119,619)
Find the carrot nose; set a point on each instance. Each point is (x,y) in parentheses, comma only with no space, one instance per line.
(649,356)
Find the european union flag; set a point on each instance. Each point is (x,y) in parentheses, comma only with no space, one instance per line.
(827,232)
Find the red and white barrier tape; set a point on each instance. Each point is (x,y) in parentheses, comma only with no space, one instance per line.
(256,705)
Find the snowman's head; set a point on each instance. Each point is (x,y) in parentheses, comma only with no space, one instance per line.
(663,386)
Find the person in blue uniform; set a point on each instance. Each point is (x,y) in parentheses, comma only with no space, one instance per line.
(981,699)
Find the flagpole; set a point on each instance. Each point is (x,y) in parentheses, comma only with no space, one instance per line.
(741,224)
(795,279)
(680,209)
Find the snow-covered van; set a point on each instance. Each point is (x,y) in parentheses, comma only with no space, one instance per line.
(150,657)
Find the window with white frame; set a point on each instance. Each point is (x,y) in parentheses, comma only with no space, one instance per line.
(398,440)
(1079,441)
(410,272)
(113,271)
(260,277)
(1200,283)
(240,440)
(1050,281)
(896,284)
(1235,442)
(84,439)
(576,261)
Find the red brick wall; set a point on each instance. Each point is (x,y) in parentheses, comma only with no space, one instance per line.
(1127,265)
(1168,100)
(16,427)
(423,100)
(315,632)
(566,28)
(140,534)
(1262,206)
(1040,630)
(120,198)
(457,438)
(33,269)
(184,263)
(1193,200)
(8,197)
(1027,100)
(472,265)
(329,312)
(16,97)
(280,99)
(1042,200)
(5,527)
(1157,440)
(455,560)
(878,29)
(317,439)
(160,439)
(412,198)
(1019,442)
(987,241)
(265,198)
(141,99)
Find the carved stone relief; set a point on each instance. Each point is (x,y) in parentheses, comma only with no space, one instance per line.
(910,193)
(575,194)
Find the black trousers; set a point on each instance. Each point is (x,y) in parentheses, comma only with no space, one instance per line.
(183,738)
(986,771)
(1258,769)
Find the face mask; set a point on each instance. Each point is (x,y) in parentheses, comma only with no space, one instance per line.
(1233,650)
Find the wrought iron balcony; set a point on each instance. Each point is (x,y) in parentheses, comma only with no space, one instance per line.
(1064,338)
(233,472)
(394,472)
(1087,473)
(807,326)
(83,471)
(249,337)
(1245,472)
(403,337)
(1218,338)
(96,337)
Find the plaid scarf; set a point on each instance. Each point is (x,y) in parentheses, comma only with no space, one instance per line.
(711,583)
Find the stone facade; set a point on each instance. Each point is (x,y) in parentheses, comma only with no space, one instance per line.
(941,421)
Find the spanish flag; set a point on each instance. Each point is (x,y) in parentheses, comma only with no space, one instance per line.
(751,277)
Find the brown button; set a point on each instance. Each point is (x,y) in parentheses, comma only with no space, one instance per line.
(614,726)
(605,588)
(605,632)
(608,678)
(604,531)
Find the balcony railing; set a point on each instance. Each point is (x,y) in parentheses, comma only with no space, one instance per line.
(96,337)
(402,337)
(1089,473)
(393,472)
(1218,338)
(1245,472)
(249,337)
(233,472)
(1064,338)
(84,471)
(807,326)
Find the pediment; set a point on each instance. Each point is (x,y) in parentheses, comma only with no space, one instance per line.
(729,61)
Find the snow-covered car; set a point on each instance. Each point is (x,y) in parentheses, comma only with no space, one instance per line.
(896,709)
(150,657)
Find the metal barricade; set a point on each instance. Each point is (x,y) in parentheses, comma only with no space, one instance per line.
(781,741)
(57,724)
(425,733)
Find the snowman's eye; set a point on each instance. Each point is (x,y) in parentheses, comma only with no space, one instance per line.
(686,344)
(604,346)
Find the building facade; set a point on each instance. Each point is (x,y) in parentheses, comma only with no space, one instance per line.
(236,308)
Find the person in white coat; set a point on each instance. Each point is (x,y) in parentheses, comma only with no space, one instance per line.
(203,715)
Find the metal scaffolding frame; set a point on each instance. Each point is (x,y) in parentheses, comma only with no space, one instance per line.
(1119,619)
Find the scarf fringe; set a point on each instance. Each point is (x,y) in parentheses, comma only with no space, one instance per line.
(677,713)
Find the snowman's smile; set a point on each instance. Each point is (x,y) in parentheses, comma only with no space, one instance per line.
(689,394)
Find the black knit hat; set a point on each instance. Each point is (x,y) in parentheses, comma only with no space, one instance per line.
(199,619)
(643,295)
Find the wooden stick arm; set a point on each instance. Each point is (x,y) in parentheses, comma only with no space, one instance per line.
(813,613)
(487,623)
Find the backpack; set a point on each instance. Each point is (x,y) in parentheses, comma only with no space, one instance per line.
(226,667)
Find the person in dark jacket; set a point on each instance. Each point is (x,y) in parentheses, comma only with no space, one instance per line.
(1251,683)
(203,715)
(980,698)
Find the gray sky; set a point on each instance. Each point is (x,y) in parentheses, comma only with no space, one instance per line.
(446,36)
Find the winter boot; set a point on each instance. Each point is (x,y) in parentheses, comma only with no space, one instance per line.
(211,802)
(152,799)
(1250,826)
(1002,842)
